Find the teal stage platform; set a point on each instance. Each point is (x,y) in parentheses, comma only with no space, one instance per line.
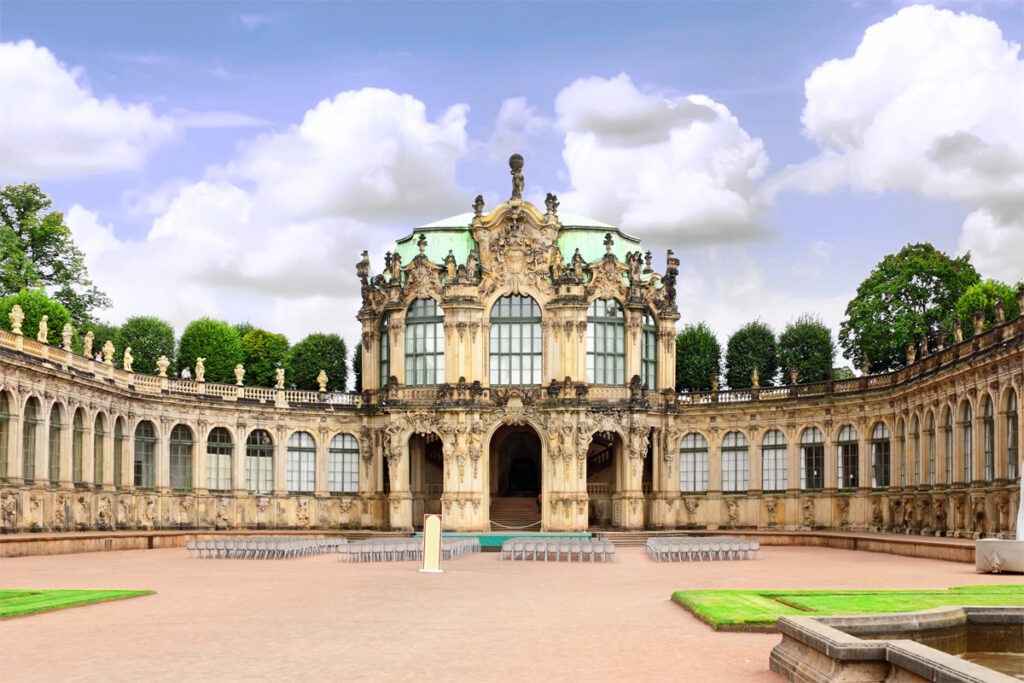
(493,541)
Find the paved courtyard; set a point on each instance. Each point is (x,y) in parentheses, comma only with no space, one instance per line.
(482,619)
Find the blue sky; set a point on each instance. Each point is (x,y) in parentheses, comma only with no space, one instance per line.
(232,158)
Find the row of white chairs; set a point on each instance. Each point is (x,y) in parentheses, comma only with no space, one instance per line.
(678,548)
(262,547)
(401,549)
(558,549)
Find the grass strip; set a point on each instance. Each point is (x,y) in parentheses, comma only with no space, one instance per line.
(17,603)
(757,610)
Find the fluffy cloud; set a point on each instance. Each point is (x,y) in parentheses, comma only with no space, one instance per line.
(681,170)
(53,127)
(517,124)
(931,102)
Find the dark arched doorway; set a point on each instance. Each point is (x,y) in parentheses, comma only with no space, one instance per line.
(515,479)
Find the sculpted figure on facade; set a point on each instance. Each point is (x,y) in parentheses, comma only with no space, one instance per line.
(17,317)
(807,506)
(9,510)
(771,505)
(108,352)
(41,334)
(515,162)
(65,336)
(200,369)
(128,359)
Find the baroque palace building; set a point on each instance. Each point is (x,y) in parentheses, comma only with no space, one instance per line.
(507,355)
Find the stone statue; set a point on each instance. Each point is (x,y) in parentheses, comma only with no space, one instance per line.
(755,380)
(449,265)
(396,267)
(128,359)
(17,317)
(515,162)
(551,202)
(471,265)
(958,330)
(87,344)
(794,374)
(771,504)
(714,382)
(865,365)
(239,374)
(911,353)
(279,378)
(556,262)
(636,264)
(200,370)
(734,512)
(162,363)
(41,335)
(321,379)
(363,267)
(421,243)
(108,352)
(478,205)
(65,336)
(577,265)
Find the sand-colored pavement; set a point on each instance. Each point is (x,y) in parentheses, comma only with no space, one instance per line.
(482,619)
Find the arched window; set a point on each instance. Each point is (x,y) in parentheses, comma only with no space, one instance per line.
(259,462)
(181,458)
(424,343)
(930,431)
(812,459)
(693,464)
(219,450)
(515,343)
(606,342)
(384,357)
(301,463)
(5,433)
(988,427)
(848,458)
(649,352)
(98,447)
(343,464)
(881,450)
(77,445)
(145,455)
(29,437)
(915,431)
(948,430)
(735,462)
(55,427)
(1012,434)
(773,461)
(967,431)
(119,452)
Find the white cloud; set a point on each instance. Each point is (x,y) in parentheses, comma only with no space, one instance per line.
(53,127)
(517,124)
(216,119)
(930,103)
(813,263)
(678,169)
(995,244)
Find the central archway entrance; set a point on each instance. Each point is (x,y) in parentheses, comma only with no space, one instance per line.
(515,479)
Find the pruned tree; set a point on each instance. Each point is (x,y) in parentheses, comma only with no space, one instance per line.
(217,342)
(263,353)
(318,352)
(149,337)
(752,346)
(806,346)
(983,295)
(698,358)
(34,305)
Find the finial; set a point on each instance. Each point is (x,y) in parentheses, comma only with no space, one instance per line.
(515,162)
(422,242)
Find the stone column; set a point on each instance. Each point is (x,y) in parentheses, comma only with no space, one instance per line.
(320,471)
(163,456)
(200,475)
(88,454)
(280,462)
(239,485)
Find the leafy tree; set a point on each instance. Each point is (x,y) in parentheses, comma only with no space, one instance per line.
(753,345)
(983,295)
(149,338)
(244,328)
(806,345)
(217,342)
(37,250)
(315,353)
(101,332)
(357,367)
(843,372)
(263,352)
(698,358)
(34,305)
(907,294)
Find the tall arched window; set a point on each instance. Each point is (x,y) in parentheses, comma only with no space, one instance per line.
(181,458)
(606,342)
(812,459)
(5,433)
(219,450)
(967,432)
(77,445)
(515,343)
(343,464)
(693,464)
(384,357)
(145,455)
(988,427)
(55,427)
(848,458)
(773,461)
(735,462)
(881,450)
(98,447)
(301,463)
(915,433)
(29,438)
(649,352)
(1012,434)
(119,452)
(259,462)
(424,343)
(931,449)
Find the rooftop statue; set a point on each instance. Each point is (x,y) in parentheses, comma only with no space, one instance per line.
(41,336)
(17,317)
(515,162)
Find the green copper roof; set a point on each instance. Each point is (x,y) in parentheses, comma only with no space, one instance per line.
(439,241)
(590,242)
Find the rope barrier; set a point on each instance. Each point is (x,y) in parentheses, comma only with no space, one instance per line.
(493,523)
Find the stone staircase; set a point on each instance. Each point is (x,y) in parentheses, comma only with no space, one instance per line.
(514,515)
(625,539)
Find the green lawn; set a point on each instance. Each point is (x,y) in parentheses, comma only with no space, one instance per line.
(757,610)
(16,603)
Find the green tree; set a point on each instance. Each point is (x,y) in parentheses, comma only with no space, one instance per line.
(37,250)
(263,352)
(698,358)
(806,345)
(217,342)
(101,332)
(34,305)
(983,295)
(318,352)
(149,338)
(357,367)
(908,294)
(843,372)
(753,345)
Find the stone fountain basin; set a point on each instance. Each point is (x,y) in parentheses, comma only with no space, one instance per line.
(999,555)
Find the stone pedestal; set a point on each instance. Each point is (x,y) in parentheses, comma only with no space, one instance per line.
(998,555)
